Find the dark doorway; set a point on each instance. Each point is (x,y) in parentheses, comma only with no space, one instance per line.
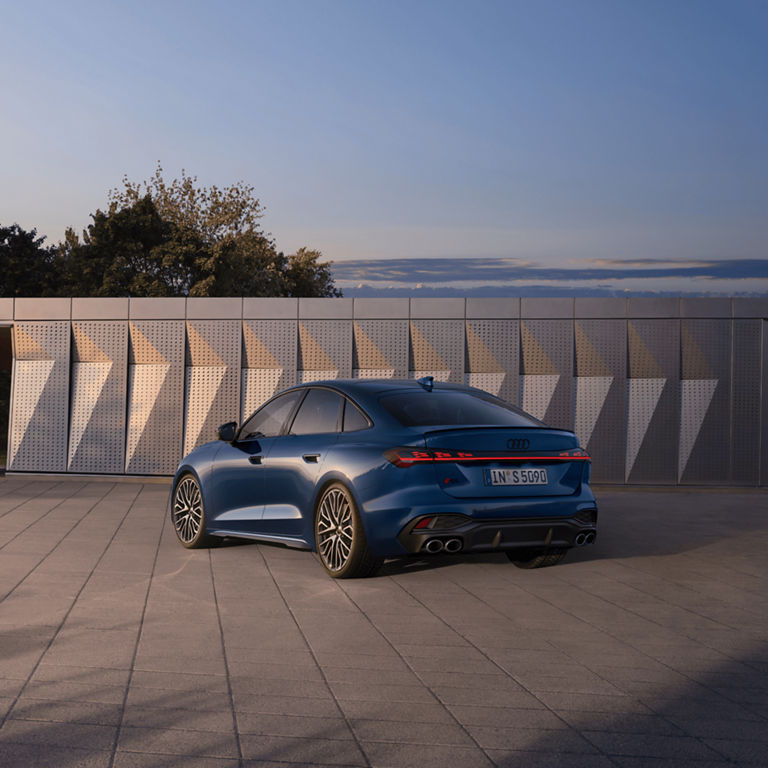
(5,390)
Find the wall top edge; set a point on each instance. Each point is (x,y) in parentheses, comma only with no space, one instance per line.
(471,307)
(6,309)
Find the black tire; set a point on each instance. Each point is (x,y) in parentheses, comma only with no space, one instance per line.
(536,558)
(340,537)
(188,513)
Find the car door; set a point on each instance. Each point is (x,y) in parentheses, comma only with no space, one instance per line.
(295,462)
(236,488)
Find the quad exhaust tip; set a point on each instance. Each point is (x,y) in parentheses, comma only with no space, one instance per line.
(585,538)
(433,546)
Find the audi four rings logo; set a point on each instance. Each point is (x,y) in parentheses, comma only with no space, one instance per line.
(518,443)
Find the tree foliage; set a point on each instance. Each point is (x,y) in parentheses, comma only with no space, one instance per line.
(26,266)
(160,238)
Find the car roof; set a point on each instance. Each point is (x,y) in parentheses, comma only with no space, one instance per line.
(372,387)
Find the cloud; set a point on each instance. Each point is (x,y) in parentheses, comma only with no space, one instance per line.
(472,276)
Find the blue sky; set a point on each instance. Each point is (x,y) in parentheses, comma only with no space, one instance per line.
(556,133)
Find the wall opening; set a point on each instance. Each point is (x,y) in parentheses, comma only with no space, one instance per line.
(6,359)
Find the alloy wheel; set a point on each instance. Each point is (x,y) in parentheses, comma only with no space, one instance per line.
(187,510)
(335,529)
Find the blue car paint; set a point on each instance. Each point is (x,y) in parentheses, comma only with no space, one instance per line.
(275,499)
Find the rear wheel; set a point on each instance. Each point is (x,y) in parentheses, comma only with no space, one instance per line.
(539,558)
(340,538)
(188,514)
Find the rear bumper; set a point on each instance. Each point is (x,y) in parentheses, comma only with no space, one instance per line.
(506,534)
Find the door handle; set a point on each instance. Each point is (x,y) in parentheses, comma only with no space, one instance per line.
(255,459)
(311,458)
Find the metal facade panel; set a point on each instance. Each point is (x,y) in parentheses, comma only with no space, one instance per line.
(493,357)
(705,406)
(492,308)
(155,397)
(42,309)
(381,346)
(653,400)
(764,405)
(601,395)
(98,396)
(380,309)
(745,431)
(325,309)
(325,345)
(37,436)
(437,349)
(269,361)
(437,309)
(212,378)
(547,370)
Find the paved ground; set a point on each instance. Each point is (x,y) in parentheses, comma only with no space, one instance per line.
(120,648)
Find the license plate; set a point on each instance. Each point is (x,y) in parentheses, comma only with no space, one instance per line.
(516,477)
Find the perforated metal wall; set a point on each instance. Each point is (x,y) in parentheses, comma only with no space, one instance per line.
(493,357)
(155,397)
(212,379)
(269,361)
(745,435)
(97,397)
(437,349)
(659,391)
(600,395)
(325,346)
(37,435)
(546,368)
(705,402)
(380,349)
(653,400)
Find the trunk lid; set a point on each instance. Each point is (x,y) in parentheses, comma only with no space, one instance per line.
(506,462)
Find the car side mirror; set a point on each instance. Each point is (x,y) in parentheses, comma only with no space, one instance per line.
(226,432)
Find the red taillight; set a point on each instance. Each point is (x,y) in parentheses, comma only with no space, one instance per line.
(407,457)
(423,523)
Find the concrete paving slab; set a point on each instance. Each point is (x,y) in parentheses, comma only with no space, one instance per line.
(120,648)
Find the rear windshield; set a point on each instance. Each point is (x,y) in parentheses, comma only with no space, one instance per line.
(431,409)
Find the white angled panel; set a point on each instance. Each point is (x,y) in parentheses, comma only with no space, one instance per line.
(87,383)
(256,387)
(436,375)
(695,399)
(489,382)
(144,384)
(591,392)
(373,373)
(202,386)
(537,393)
(30,378)
(642,398)
(306,376)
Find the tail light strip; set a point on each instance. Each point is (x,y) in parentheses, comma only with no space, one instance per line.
(406,457)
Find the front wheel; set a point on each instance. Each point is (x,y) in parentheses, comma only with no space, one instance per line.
(188,514)
(340,538)
(536,558)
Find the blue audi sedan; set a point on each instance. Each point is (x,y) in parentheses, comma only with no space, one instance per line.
(365,469)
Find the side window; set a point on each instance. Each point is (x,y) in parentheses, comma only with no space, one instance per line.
(353,418)
(269,420)
(320,412)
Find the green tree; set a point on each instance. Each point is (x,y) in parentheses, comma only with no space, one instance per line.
(176,238)
(306,275)
(26,266)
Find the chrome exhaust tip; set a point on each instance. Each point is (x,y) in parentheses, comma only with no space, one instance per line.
(433,546)
(590,537)
(581,539)
(453,545)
